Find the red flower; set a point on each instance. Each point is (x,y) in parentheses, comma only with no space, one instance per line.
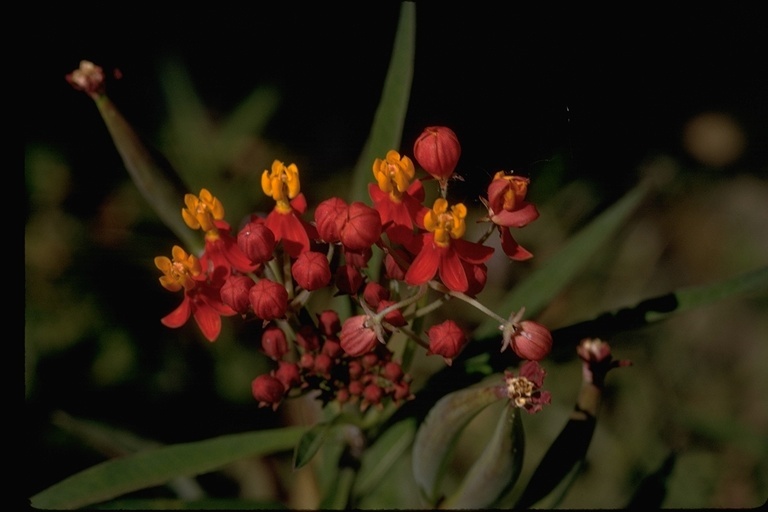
(311,270)
(528,339)
(203,303)
(507,208)
(395,195)
(446,339)
(525,390)
(269,300)
(437,150)
(444,251)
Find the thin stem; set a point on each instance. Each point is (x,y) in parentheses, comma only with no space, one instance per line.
(466,298)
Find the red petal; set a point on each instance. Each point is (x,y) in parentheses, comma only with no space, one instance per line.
(424,266)
(208,320)
(180,315)
(517,218)
(452,271)
(472,252)
(512,249)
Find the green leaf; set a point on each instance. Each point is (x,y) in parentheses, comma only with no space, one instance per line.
(155,467)
(439,432)
(497,469)
(544,284)
(387,129)
(204,504)
(383,454)
(310,443)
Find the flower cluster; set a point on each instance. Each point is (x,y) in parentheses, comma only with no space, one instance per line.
(272,265)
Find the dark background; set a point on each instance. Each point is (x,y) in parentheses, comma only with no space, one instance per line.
(604,89)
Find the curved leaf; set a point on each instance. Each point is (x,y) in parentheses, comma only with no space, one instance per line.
(155,467)
(497,469)
(438,434)
(383,454)
(310,443)
(387,129)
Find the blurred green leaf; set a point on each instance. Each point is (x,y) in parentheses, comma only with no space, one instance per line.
(155,467)
(497,469)
(547,281)
(387,129)
(204,504)
(382,455)
(439,432)
(651,492)
(310,443)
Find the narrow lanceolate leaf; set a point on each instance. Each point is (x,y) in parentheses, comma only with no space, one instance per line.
(158,184)
(567,451)
(439,432)
(382,455)
(310,443)
(497,469)
(544,284)
(151,468)
(387,129)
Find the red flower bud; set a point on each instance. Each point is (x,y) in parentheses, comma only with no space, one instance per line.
(329,322)
(374,293)
(288,374)
(268,390)
(273,342)
(373,394)
(332,347)
(311,270)
(532,341)
(356,337)
(446,339)
(323,365)
(257,241)
(393,371)
(348,279)
(269,300)
(357,259)
(362,228)
(330,216)
(307,338)
(437,150)
(394,317)
(234,292)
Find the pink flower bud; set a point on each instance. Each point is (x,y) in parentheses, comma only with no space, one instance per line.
(356,337)
(332,347)
(268,390)
(362,228)
(234,292)
(257,241)
(269,300)
(311,270)
(273,342)
(437,150)
(532,341)
(330,216)
(446,339)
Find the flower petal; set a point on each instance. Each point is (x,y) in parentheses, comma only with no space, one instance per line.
(424,266)
(452,271)
(180,315)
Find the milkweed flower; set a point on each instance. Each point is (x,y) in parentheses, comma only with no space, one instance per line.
(202,293)
(524,390)
(282,184)
(396,195)
(507,208)
(444,251)
(206,212)
(446,339)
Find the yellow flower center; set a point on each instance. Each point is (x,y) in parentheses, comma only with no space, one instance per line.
(516,189)
(281,184)
(179,272)
(394,174)
(446,224)
(519,390)
(200,212)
